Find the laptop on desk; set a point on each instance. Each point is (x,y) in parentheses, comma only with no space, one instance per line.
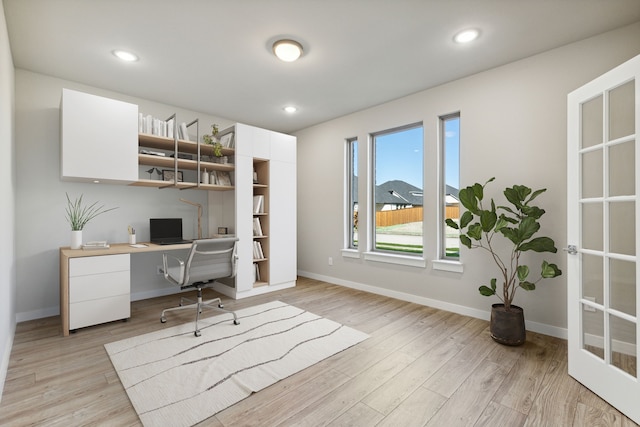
(166,231)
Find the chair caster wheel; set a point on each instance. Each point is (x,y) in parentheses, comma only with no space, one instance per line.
(197,333)
(163,320)
(220,306)
(235,322)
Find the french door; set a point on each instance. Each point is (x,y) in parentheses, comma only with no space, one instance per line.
(603,228)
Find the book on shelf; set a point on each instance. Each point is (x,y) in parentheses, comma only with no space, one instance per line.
(223,178)
(155,126)
(258,204)
(256,273)
(184,133)
(153,153)
(226,140)
(257,251)
(257,227)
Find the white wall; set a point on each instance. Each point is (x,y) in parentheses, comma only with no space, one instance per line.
(8,194)
(513,126)
(41,226)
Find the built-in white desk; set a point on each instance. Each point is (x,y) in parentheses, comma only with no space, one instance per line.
(95,285)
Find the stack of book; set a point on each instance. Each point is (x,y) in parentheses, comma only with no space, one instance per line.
(101,244)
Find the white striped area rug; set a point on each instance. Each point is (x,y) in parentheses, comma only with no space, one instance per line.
(176,379)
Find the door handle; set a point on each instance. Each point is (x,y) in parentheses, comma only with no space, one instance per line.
(571,249)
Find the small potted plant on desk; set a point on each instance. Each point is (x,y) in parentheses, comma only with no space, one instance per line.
(216,146)
(517,224)
(79,215)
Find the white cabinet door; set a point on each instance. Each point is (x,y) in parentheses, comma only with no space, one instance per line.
(99,138)
(282,217)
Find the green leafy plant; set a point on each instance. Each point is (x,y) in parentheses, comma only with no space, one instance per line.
(213,140)
(78,215)
(518,224)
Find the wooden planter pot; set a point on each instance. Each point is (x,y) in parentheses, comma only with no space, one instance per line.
(507,327)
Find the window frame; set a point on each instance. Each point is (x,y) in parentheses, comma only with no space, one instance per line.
(351,159)
(371,204)
(444,262)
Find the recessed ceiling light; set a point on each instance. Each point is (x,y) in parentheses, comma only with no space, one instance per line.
(125,56)
(466,36)
(287,50)
(290,109)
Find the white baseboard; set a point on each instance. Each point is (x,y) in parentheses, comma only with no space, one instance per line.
(541,328)
(231,292)
(37,314)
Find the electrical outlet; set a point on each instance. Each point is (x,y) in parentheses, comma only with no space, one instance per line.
(159,271)
(330,260)
(587,307)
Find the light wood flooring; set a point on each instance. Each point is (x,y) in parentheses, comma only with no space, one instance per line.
(420,367)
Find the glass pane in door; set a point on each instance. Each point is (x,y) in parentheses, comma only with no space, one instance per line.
(622,111)
(593,331)
(592,237)
(592,278)
(623,345)
(622,171)
(622,228)
(591,122)
(591,163)
(622,276)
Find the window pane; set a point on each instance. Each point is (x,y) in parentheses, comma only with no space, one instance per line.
(398,201)
(451,167)
(352,186)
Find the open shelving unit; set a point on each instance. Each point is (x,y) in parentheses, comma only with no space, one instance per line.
(261,189)
(173,148)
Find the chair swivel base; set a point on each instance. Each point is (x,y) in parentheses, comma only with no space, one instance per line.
(199,305)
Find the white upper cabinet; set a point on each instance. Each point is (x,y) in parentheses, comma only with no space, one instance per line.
(99,138)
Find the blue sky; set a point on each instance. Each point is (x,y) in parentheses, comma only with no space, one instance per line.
(399,155)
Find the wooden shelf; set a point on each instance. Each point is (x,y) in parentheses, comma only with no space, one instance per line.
(182,185)
(162,143)
(168,162)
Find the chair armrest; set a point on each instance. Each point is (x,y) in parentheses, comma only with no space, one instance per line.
(165,269)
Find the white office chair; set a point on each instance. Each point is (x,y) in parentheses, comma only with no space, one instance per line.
(208,260)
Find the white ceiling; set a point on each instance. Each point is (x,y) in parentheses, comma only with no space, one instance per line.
(214,56)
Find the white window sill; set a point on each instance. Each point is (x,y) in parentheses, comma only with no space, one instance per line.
(350,253)
(447,265)
(410,261)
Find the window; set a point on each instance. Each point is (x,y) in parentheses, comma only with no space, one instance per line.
(397,192)
(352,193)
(450,143)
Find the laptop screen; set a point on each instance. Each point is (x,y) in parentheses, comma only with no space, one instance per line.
(165,230)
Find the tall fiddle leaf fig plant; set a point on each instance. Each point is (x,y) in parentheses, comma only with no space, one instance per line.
(518,224)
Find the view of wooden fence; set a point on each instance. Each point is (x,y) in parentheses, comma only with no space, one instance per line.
(404,216)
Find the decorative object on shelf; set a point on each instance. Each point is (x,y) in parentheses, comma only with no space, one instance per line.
(169,175)
(156,170)
(517,224)
(222,230)
(79,215)
(213,141)
(199,206)
(204,179)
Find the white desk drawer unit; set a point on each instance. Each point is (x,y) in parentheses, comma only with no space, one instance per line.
(99,289)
